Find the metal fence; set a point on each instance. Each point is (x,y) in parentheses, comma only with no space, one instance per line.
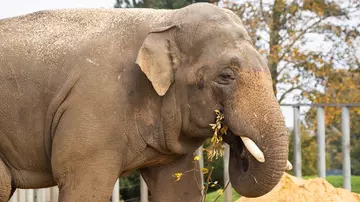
(345,130)
(51,194)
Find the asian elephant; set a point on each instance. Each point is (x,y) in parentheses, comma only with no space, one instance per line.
(89,95)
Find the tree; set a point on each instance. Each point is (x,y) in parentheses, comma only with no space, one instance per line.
(130,186)
(341,86)
(308,152)
(284,31)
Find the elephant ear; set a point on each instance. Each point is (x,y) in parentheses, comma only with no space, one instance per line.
(157,58)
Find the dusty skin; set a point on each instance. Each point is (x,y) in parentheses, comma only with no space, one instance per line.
(293,189)
(88,95)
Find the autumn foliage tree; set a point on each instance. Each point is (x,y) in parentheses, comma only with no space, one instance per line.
(312,52)
(303,40)
(308,152)
(341,86)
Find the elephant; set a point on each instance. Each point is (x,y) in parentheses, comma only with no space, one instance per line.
(90,95)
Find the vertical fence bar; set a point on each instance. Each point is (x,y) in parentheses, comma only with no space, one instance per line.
(54,194)
(345,129)
(29,195)
(321,142)
(116,192)
(40,195)
(227,192)
(143,190)
(21,195)
(35,195)
(47,195)
(297,142)
(14,197)
(199,152)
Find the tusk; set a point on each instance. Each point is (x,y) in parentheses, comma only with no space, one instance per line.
(253,149)
(288,165)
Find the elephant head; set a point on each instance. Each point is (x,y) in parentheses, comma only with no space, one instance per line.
(205,60)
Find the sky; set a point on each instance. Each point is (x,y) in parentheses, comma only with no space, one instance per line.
(20,7)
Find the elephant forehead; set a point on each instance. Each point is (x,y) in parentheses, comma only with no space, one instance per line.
(239,54)
(251,58)
(217,42)
(206,22)
(225,29)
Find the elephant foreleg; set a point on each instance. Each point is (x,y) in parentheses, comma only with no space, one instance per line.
(85,159)
(88,181)
(5,182)
(163,185)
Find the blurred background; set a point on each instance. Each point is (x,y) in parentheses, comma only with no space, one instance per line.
(313,52)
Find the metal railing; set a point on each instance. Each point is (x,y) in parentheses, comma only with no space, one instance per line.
(345,131)
(51,194)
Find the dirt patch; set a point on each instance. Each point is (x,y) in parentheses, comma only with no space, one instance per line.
(292,189)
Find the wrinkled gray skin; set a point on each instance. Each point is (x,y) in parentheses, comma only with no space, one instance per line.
(90,95)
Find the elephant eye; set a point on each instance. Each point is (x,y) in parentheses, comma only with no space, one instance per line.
(225,77)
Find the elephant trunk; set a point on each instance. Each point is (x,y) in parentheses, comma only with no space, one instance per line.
(256,166)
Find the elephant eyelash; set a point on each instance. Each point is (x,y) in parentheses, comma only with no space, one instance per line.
(227,76)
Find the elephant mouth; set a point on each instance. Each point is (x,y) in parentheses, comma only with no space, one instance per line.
(241,143)
(243,151)
(238,149)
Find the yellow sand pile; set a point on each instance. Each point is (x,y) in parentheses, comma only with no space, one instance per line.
(292,189)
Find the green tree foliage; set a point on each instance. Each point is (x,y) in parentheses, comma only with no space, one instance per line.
(355,152)
(130,186)
(308,152)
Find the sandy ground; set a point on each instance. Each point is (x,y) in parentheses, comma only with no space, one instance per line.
(292,189)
